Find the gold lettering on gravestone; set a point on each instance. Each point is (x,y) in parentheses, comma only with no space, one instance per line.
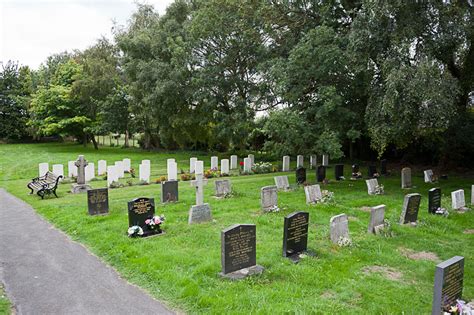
(98,197)
(452,286)
(141,206)
(297,229)
(240,247)
(412,206)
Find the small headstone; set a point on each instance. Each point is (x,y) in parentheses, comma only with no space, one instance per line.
(411,205)
(339,171)
(90,172)
(325,160)
(282,182)
(371,186)
(428,175)
(383,167)
(321,173)
(200,212)
(58,170)
(312,162)
(98,201)
(144,172)
(43,168)
(225,167)
(300,175)
(457,199)
(127,165)
(406,177)
(223,187)
(286,164)
(214,163)
(295,235)
(239,251)
(313,193)
(120,169)
(448,284)
(192,164)
(139,210)
(247,165)
(101,167)
(252,159)
(112,175)
(233,162)
(80,185)
(71,169)
(172,170)
(269,198)
(377,216)
(299,161)
(169,191)
(339,228)
(372,170)
(434,200)
(146,162)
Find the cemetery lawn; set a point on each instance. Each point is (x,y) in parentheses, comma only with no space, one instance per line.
(4,302)
(376,275)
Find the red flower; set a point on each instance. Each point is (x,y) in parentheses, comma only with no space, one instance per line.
(241,163)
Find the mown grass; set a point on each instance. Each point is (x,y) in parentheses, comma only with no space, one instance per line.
(181,267)
(4,302)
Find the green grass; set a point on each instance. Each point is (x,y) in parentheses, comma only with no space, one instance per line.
(181,267)
(4,302)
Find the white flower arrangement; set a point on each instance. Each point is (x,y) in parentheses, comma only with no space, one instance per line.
(134,231)
(379,189)
(273,209)
(344,241)
(327,196)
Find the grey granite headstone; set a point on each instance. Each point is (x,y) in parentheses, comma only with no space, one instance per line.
(282,182)
(269,198)
(339,227)
(223,187)
(371,185)
(448,284)
(199,214)
(98,201)
(434,200)
(411,205)
(80,185)
(406,177)
(377,216)
(457,199)
(313,193)
(169,191)
(428,176)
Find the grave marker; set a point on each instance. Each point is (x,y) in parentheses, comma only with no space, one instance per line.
(169,191)
(406,177)
(411,205)
(247,165)
(339,228)
(269,198)
(222,188)
(300,175)
(139,210)
(80,185)
(252,159)
(71,169)
(43,168)
(282,182)
(144,172)
(112,175)
(377,216)
(192,164)
(127,165)
(89,172)
(120,169)
(372,186)
(372,170)
(325,160)
(321,173)
(101,167)
(457,200)
(312,161)
(286,164)
(200,212)
(339,171)
(225,167)
(313,194)
(299,161)
(214,163)
(233,162)
(172,170)
(434,200)
(98,201)
(295,235)
(58,170)
(448,284)
(428,175)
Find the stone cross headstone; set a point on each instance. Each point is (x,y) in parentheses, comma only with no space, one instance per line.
(139,210)
(321,173)
(144,172)
(448,284)
(98,201)
(339,228)
(43,168)
(411,205)
(169,191)
(339,171)
(252,159)
(457,199)
(313,194)
(269,198)
(295,235)
(286,164)
(58,170)
(300,175)
(247,165)
(112,175)
(312,162)
(383,167)
(233,162)
(120,169)
(299,161)
(71,169)
(406,177)
(80,185)
(200,212)
(371,185)
(239,251)
(282,182)
(434,200)
(428,175)
(172,170)
(325,160)
(101,167)
(377,216)
(90,172)
(372,169)
(214,163)
(222,187)
(127,165)
(192,164)
(225,167)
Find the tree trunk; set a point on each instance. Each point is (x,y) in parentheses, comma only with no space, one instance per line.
(126,139)
(94,141)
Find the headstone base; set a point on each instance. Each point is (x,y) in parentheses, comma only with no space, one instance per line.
(243,273)
(295,258)
(462,209)
(378,229)
(151,234)
(199,214)
(77,189)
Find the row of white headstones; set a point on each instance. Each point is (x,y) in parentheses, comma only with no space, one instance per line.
(300,162)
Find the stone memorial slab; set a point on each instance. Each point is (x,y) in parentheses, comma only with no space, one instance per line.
(428,176)
(80,185)
(112,175)
(321,173)
(192,164)
(300,175)
(458,201)
(411,205)
(127,165)
(372,186)
(139,210)
(90,172)
(172,171)
(406,177)
(282,182)
(58,170)
(252,159)
(339,228)
(371,171)
(233,162)
(312,162)
(448,284)
(295,235)
(247,165)
(43,168)
(101,167)
(71,169)
(120,169)
(225,167)
(98,201)
(199,214)
(377,216)
(299,161)
(286,164)
(434,200)
(325,160)
(339,171)
(383,167)
(222,188)
(169,191)
(146,162)
(214,163)
(144,172)
(313,194)
(269,198)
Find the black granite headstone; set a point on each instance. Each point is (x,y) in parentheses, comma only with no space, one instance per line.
(434,200)
(321,173)
(169,191)
(238,247)
(98,201)
(339,171)
(355,168)
(295,234)
(139,210)
(300,175)
(383,167)
(411,205)
(448,284)
(371,171)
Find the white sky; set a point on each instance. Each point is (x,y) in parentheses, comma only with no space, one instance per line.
(32,30)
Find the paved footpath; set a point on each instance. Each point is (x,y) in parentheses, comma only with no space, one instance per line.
(45,272)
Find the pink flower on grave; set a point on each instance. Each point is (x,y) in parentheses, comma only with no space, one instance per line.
(147,221)
(157,220)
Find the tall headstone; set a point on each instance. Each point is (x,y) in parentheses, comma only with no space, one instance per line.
(372,170)
(140,210)
(101,167)
(312,161)
(325,160)
(286,164)
(282,182)
(411,205)
(225,167)
(406,177)
(192,164)
(321,173)
(313,194)
(448,284)
(299,161)
(300,175)
(377,216)
(339,171)
(127,165)
(233,162)
(112,175)
(80,185)
(457,199)
(372,186)
(269,198)
(200,212)
(90,172)
(120,169)
(222,188)
(43,168)
(71,169)
(214,163)
(239,251)
(169,191)
(172,170)
(58,170)
(434,200)
(252,159)
(428,176)
(339,228)
(383,167)
(146,162)
(247,165)
(98,201)
(144,172)
(295,235)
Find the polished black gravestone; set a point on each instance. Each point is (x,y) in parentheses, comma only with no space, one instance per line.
(169,191)
(300,175)
(239,251)
(372,169)
(411,205)
(321,173)
(339,171)
(383,167)
(98,201)
(434,200)
(295,235)
(139,210)
(448,284)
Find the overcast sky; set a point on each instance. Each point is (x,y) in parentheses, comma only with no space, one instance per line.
(31,30)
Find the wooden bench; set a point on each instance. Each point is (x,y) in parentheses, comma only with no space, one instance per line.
(45,185)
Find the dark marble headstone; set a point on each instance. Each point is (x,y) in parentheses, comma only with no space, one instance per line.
(339,171)
(411,205)
(355,168)
(448,284)
(169,191)
(434,200)
(295,234)
(383,167)
(300,175)
(98,201)
(321,173)
(371,171)
(139,210)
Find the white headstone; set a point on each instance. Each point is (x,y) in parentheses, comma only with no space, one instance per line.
(101,167)
(43,168)
(428,176)
(325,160)
(339,228)
(120,169)
(169,161)
(286,164)
(371,185)
(199,167)
(127,165)
(144,172)
(214,163)
(172,170)
(192,164)
(225,167)
(90,171)
(313,193)
(233,162)
(247,165)
(457,199)
(71,169)
(377,215)
(252,159)
(58,170)
(146,162)
(299,161)
(406,177)
(282,182)
(312,161)
(112,175)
